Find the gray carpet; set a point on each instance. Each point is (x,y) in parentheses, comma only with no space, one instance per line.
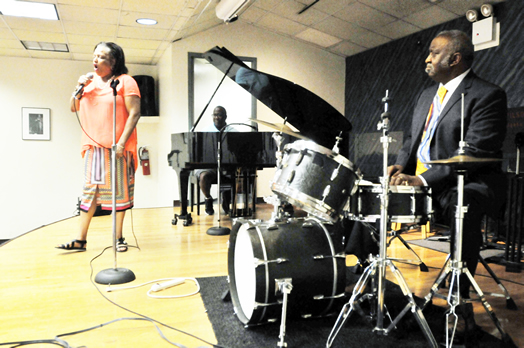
(313,333)
(442,244)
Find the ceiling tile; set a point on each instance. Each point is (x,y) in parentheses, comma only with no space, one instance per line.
(281,24)
(362,24)
(329,6)
(364,16)
(164,21)
(397,29)
(347,48)
(460,7)
(111,4)
(430,17)
(14,52)
(162,7)
(318,37)
(39,36)
(398,8)
(137,43)
(85,28)
(88,40)
(142,33)
(134,52)
(50,54)
(252,14)
(6,34)
(267,5)
(33,24)
(88,14)
(291,9)
(86,49)
(14,44)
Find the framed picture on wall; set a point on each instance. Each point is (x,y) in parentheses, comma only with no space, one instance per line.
(36,124)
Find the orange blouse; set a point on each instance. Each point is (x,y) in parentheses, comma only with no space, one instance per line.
(96,114)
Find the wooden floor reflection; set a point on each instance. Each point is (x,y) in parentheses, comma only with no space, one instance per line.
(45,292)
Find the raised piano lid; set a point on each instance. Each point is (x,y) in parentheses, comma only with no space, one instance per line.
(306,111)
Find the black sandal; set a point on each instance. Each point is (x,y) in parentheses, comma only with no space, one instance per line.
(121,245)
(71,245)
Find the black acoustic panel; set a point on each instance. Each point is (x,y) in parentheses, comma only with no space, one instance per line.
(398,67)
(146,84)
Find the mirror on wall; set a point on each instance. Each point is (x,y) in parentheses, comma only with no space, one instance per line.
(204,79)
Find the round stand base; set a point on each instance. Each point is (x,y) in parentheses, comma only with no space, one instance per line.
(115,276)
(218,231)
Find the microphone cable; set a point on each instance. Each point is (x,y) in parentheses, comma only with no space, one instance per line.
(125,168)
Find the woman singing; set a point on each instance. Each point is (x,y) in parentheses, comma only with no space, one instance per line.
(95,105)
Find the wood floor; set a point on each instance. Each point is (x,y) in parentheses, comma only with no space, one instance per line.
(46,292)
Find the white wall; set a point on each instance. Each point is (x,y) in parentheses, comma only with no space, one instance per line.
(41,180)
(314,69)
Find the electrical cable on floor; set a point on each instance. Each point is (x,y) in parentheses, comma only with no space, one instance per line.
(56,342)
(139,314)
(169,282)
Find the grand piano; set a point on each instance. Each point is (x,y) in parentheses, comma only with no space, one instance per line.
(311,115)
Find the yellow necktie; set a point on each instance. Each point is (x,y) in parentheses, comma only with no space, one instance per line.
(429,129)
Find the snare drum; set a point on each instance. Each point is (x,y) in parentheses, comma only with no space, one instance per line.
(302,250)
(407,204)
(315,179)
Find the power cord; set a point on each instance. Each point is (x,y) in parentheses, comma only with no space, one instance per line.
(139,314)
(170,282)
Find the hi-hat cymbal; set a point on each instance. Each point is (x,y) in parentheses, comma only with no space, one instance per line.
(463,160)
(280,127)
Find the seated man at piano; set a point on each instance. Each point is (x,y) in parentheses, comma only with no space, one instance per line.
(208,177)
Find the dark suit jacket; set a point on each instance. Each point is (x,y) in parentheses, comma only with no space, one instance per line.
(485,114)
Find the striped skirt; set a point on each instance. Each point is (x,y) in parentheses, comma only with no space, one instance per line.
(97,183)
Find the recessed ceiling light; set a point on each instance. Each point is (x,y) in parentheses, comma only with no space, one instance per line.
(146,21)
(45,46)
(28,9)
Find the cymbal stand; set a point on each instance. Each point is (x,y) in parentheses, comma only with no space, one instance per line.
(456,266)
(278,213)
(377,267)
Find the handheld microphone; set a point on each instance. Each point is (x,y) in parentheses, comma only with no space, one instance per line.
(80,88)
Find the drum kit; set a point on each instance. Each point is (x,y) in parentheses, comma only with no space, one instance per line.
(297,266)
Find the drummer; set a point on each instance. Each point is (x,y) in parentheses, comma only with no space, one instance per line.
(435,135)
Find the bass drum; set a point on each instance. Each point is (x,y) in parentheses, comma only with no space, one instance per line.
(302,250)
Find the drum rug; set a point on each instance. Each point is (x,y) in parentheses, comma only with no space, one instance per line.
(314,332)
(442,244)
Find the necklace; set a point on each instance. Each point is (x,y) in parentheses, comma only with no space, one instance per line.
(105,85)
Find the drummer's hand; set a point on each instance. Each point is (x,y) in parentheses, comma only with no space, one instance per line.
(395,170)
(407,180)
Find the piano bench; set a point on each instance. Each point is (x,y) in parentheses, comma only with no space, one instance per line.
(227,185)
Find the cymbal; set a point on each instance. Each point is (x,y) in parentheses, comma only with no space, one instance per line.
(463,159)
(279,127)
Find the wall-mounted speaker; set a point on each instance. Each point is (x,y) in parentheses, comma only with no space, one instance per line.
(146,84)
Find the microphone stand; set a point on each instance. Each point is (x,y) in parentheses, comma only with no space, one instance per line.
(114,275)
(218,230)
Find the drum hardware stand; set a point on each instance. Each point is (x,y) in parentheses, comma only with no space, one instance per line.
(456,266)
(278,213)
(283,286)
(397,234)
(378,265)
(510,303)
